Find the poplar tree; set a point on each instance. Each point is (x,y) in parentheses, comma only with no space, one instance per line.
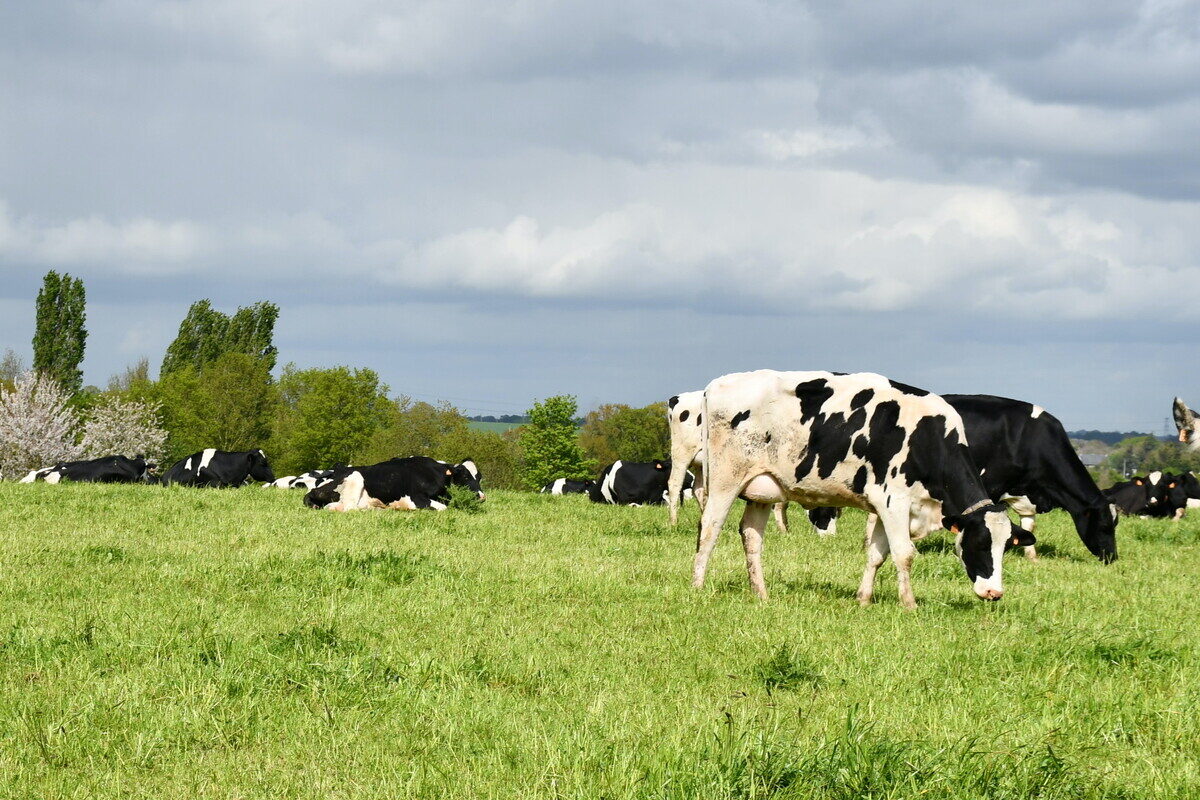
(60,336)
(206,334)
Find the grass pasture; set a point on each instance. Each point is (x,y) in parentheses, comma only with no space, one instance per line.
(196,643)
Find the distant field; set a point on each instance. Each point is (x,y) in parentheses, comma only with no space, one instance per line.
(198,643)
(495,427)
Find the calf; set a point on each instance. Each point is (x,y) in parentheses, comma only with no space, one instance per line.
(400,483)
(827,439)
(220,469)
(684,418)
(109,469)
(568,486)
(1186,422)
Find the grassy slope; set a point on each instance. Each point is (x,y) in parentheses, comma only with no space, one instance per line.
(170,642)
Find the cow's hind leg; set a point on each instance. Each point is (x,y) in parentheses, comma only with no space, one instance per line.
(898,528)
(715,512)
(877,552)
(781,517)
(1028,523)
(754,522)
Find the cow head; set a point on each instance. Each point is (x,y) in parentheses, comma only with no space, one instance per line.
(260,469)
(981,537)
(324,495)
(468,475)
(1097,527)
(1185,421)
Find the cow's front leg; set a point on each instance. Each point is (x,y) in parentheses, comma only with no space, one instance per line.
(754,522)
(877,551)
(1028,523)
(898,528)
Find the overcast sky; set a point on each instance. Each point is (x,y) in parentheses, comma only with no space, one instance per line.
(491,202)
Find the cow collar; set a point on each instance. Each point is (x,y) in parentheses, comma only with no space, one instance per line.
(976,507)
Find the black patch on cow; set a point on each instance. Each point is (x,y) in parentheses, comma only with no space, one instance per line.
(885,437)
(939,463)
(813,395)
(739,418)
(698,418)
(862,398)
(684,415)
(829,443)
(904,387)
(860,480)
(839,374)
(671,403)
(767,437)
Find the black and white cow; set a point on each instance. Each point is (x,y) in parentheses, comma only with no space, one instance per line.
(684,418)
(828,439)
(568,486)
(1141,495)
(220,469)
(309,480)
(399,483)
(1027,461)
(1183,493)
(109,469)
(634,483)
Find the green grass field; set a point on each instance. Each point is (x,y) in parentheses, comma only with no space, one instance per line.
(198,643)
(493,427)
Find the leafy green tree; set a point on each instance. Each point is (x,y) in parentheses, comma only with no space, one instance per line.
(1145,454)
(550,444)
(415,429)
(229,405)
(326,416)
(60,336)
(616,431)
(205,334)
(498,455)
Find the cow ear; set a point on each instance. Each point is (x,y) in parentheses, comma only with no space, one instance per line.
(952,524)
(1138,481)
(449,472)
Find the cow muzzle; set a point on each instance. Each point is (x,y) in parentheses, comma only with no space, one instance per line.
(481,495)
(988,590)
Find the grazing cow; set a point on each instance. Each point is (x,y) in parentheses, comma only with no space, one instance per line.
(634,483)
(684,418)
(1186,422)
(400,483)
(1143,496)
(827,439)
(220,469)
(568,486)
(109,469)
(1027,461)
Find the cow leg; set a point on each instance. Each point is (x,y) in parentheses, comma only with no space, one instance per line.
(698,485)
(877,552)
(711,521)
(781,517)
(680,460)
(1027,524)
(898,526)
(754,522)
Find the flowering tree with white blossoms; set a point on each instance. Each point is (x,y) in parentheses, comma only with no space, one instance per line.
(120,428)
(37,428)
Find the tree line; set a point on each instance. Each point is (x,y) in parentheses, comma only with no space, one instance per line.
(217,386)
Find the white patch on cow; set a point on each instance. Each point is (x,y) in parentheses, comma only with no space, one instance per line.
(606,488)
(187,465)
(557,486)
(1154,478)
(282,483)
(436,506)
(31,477)
(471,468)
(206,457)
(1037,412)
(53,477)
(998,524)
(688,494)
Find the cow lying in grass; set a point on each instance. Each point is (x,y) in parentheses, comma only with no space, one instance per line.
(109,469)
(220,469)
(400,483)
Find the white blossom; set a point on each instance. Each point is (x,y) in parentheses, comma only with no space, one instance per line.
(37,427)
(120,428)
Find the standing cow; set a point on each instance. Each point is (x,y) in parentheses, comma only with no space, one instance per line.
(684,417)
(220,469)
(826,439)
(1186,422)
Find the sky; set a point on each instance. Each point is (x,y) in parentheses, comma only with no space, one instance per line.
(492,202)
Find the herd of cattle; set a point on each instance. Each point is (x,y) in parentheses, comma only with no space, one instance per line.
(914,461)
